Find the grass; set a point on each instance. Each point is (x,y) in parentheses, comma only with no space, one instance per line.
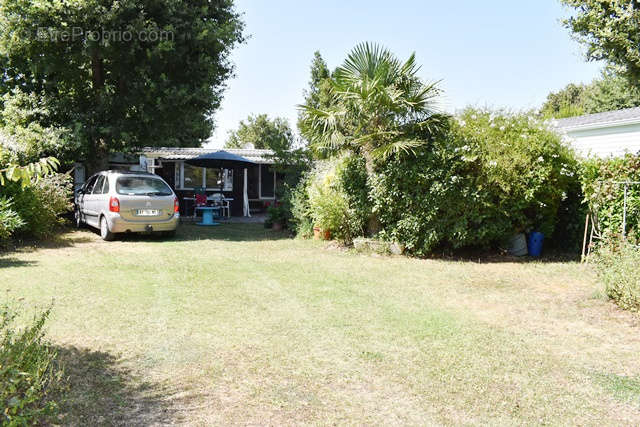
(237,324)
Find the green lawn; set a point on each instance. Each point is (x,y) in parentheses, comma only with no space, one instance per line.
(237,324)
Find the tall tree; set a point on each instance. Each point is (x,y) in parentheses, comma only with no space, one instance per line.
(611,31)
(318,95)
(611,91)
(121,73)
(379,107)
(260,131)
(567,102)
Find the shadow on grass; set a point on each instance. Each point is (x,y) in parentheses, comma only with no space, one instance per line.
(61,240)
(14,262)
(99,390)
(227,232)
(492,256)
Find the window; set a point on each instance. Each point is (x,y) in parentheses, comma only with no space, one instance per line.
(267,182)
(192,176)
(89,185)
(142,185)
(209,178)
(97,189)
(212,179)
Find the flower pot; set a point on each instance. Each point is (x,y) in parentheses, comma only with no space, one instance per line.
(319,233)
(277,226)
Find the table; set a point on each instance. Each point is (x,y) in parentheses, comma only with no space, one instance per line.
(207,215)
(210,198)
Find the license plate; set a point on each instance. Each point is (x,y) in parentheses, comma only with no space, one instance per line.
(147,212)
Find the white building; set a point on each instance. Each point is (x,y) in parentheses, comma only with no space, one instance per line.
(612,133)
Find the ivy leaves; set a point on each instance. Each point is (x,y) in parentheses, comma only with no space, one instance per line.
(28,173)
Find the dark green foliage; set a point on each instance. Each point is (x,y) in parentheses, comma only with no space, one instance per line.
(618,268)
(333,196)
(10,221)
(276,213)
(114,91)
(40,204)
(568,102)
(610,30)
(261,132)
(611,91)
(28,372)
(569,230)
(493,174)
(318,95)
(606,199)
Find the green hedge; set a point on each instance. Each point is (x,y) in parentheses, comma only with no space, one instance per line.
(492,175)
(606,199)
(38,206)
(333,196)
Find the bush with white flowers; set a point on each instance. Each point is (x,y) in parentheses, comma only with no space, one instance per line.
(494,173)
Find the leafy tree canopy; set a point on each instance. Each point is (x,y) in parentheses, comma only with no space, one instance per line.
(261,132)
(611,91)
(611,31)
(120,74)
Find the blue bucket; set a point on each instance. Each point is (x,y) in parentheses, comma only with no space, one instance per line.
(534,243)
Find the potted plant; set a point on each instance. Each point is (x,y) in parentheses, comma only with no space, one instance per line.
(277,216)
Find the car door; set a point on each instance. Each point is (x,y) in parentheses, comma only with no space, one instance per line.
(91,201)
(81,197)
(95,199)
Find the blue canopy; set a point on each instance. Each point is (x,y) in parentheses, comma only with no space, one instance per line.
(219,159)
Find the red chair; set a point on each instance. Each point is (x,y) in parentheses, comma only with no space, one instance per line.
(200,197)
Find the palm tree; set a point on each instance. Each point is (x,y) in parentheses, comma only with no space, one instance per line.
(379,107)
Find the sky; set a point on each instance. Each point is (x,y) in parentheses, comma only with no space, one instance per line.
(494,53)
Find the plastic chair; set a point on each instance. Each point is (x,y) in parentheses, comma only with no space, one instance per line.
(218,200)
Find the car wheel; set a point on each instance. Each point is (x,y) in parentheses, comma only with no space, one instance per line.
(77,216)
(105,233)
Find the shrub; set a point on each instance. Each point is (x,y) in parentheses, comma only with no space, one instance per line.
(492,175)
(606,199)
(618,269)
(9,219)
(301,222)
(41,204)
(276,213)
(28,372)
(333,196)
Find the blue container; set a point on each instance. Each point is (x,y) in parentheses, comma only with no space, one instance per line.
(534,243)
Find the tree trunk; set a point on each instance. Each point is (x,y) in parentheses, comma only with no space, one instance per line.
(99,154)
(99,157)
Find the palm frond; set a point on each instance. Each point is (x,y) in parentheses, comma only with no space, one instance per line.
(404,146)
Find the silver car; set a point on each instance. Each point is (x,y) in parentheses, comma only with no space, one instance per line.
(121,202)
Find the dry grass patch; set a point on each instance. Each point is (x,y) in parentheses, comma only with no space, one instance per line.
(238,324)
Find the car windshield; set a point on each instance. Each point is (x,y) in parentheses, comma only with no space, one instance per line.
(142,186)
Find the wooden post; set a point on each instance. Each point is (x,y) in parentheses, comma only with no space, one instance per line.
(584,240)
(624,213)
